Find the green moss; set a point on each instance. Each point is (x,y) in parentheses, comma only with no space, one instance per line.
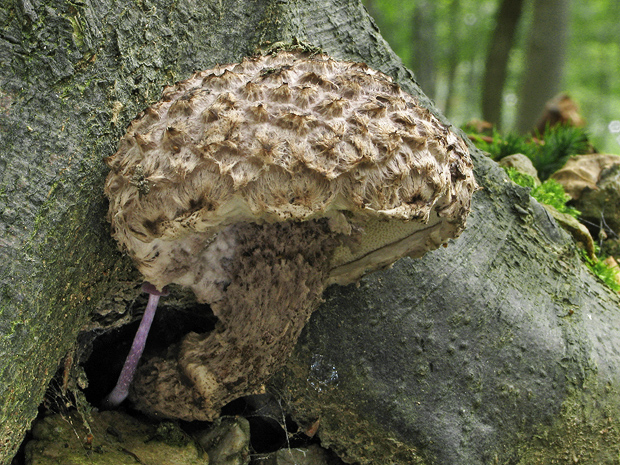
(522,179)
(78,30)
(549,192)
(552,193)
(604,272)
(587,430)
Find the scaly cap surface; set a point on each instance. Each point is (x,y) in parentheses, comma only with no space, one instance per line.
(285,137)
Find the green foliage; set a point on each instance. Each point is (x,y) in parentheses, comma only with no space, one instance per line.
(560,142)
(550,192)
(502,146)
(605,273)
(548,152)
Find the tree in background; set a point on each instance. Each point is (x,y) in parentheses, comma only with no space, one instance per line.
(593,69)
(544,60)
(464,41)
(424,43)
(496,66)
(452,53)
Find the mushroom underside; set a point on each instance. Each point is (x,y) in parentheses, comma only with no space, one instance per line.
(278,275)
(274,281)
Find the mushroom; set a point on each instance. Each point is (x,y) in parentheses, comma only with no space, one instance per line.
(260,183)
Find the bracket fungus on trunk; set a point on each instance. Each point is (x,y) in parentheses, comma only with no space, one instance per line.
(258,184)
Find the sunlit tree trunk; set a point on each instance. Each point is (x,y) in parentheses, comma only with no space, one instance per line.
(497,59)
(544,60)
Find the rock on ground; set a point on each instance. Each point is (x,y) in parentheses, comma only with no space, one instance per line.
(227,441)
(312,455)
(114,438)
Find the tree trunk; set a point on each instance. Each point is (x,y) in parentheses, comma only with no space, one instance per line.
(72,76)
(497,59)
(453,56)
(423,62)
(544,60)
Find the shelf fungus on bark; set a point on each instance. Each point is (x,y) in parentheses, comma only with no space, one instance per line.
(260,183)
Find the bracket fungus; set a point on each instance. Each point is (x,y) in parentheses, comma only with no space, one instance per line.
(258,184)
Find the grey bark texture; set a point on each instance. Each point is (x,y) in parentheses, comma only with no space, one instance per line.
(72,76)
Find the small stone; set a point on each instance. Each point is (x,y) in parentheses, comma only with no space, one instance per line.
(522,164)
(312,455)
(227,441)
(601,206)
(582,173)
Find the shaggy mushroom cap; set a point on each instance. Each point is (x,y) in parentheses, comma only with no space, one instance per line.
(284,137)
(202,179)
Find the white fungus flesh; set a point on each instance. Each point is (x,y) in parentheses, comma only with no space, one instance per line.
(205,179)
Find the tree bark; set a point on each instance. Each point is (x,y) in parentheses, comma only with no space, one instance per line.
(544,62)
(497,59)
(72,76)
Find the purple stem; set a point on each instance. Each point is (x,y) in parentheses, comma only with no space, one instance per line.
(120,391)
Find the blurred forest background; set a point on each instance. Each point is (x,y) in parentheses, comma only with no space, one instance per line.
(501,60)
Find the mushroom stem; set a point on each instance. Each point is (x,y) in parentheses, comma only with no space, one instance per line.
(120,391)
